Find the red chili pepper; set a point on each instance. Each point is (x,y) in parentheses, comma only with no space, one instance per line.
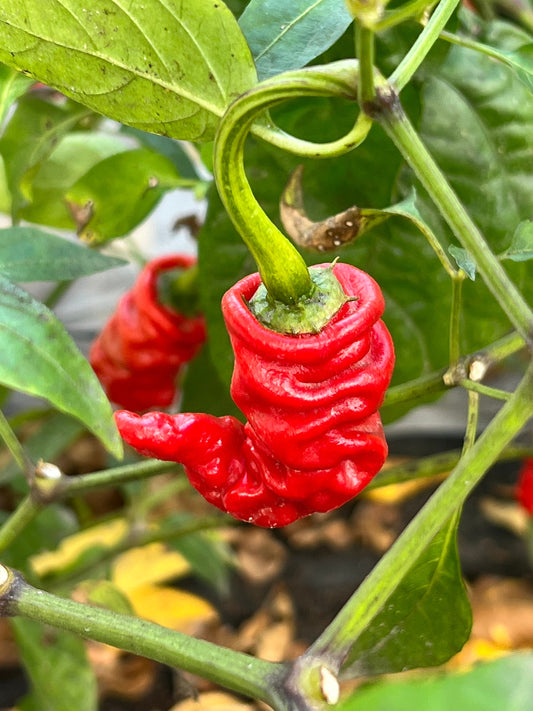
(313,438)
(143,347)
(524,491)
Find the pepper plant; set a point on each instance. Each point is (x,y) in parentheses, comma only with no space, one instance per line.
(395,138)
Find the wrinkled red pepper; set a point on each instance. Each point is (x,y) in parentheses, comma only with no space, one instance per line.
(524,491)
(145,344)
(313,438)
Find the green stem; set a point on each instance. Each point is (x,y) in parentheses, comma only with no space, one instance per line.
(401,131)
(364,42)
(425,41)
(472,421)
(112,477)
(455,317)
(473,386)
(13,526)
(334,643)
(426,467)
(407,11)
(234,670)
(282,268)
(16,449)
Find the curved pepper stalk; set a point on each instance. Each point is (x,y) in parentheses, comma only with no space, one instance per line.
(144,345)
(313,438)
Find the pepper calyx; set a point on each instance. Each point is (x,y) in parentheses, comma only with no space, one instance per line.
(310,313)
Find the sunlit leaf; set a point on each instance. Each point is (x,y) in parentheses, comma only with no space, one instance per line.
(159,66)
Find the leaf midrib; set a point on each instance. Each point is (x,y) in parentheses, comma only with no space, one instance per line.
(197,100)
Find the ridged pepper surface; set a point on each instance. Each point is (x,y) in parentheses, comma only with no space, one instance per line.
(313,438)
(143,347)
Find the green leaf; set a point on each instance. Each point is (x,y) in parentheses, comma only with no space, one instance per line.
(57,665)
(521,247)
(39,357)
(501,685)
(104,593)
(69,161)
(426,620)
(464,261)
(167,67)
(285,36)
(29,254)
(115,195)
(29,138)
(12,85)
(208,557)
(174,150)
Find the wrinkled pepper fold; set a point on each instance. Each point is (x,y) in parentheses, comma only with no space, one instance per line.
(143,347)
(313,438)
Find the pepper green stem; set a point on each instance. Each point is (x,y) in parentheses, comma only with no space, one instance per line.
(455,316)
(359,612)
(395,122)
(13,526)
(233,670)
(364,43)
(425,41)
(282,268)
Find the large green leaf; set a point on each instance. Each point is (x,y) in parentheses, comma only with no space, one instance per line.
(425,621)
(29,254)
(167,66)
(502,685)
(76,153)
(39,357)
(285,36)
(12,85)
(57,666)
(29,138)
(117,193)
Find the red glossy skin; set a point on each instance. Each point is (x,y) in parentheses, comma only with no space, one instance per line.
(524,492)
(143,347)
(313,438)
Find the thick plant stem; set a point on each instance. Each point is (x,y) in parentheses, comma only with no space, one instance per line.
(395,122)
(335,642)
(234,670)
(282,268)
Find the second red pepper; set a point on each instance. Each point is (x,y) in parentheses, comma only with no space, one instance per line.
(313,438)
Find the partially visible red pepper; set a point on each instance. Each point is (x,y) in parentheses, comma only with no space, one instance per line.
(524,491)
(143,347)
(313,438)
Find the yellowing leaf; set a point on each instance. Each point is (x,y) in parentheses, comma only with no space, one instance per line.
(172,608)
(147,565)
(71,548)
